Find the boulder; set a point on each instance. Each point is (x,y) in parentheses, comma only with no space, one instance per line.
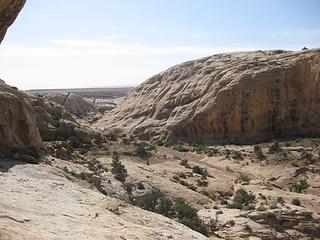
(18,129)
(242,97)
(73,103)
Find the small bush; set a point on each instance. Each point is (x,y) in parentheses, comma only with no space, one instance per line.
(200,170)
(237,155)
(187,215)
(184,162)
(126,141)
(165,206)
(141,150)
(149,200)
(243,177)
(112,136)
(75,142)
(280,200)
(168,143)
(181,148)
(275,148)
(212,152)
(118,169)
(200,148)
(258,152)
(241,199)
(296,202)
(228,169)
(299,187)
(97,139)
(202,183)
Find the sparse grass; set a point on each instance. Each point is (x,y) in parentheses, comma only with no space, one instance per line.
(299,187)
(244,178)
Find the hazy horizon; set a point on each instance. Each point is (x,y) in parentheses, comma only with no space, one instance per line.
(101,44)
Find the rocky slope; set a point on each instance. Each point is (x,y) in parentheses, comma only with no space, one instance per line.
(233,97)
(62,209)
(9,10)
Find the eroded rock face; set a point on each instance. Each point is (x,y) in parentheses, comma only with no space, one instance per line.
(55,122)
(18,130)
(9,10)
(73,103)
(233,97)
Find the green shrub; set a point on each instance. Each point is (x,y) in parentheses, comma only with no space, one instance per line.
(97,139)
(228,169)
(280,200)
(126,141)
(237,155)
(113,136)
(165,206)
(168,143)
(212,152)
(200,148)
(149,200)
(299,187)
(75,142)
(187,215)
(184,210)
(275,148)
(296,202)
(258,152)
(241,199)
(118,169)
(184,162)
(200,170)
(202,183)
(141,150)
(181,148)
(243,177)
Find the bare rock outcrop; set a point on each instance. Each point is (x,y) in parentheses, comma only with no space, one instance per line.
(9,10)
(73,103)
(233,97)
(18,129)
(55,122)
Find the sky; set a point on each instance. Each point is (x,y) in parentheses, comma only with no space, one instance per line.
(116,43)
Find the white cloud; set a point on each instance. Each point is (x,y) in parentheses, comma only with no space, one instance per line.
(91,63)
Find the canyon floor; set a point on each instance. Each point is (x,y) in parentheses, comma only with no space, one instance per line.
(169,190)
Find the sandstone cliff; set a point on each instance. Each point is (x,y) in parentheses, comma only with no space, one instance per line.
(233,97)
(9,10)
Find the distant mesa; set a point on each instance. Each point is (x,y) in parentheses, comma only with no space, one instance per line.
(241,97)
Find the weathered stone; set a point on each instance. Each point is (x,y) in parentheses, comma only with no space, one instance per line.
(9,10)
(18,130)
(233,97)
